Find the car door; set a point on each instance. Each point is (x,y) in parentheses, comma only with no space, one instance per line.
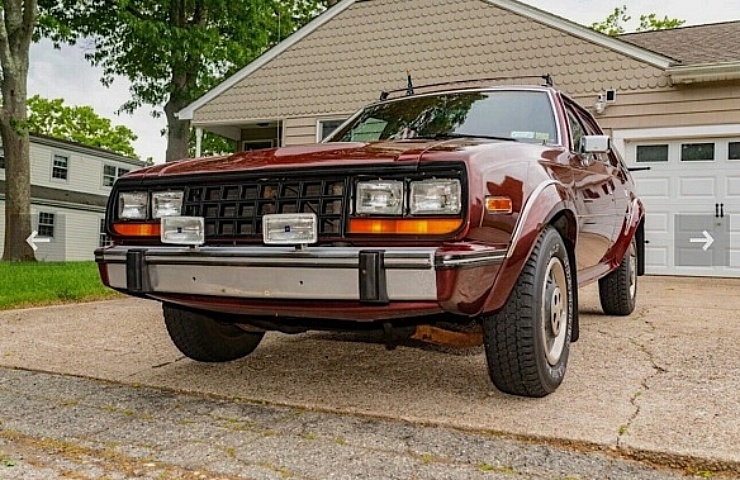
(593,184)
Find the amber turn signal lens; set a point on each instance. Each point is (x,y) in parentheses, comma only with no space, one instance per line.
(137,229)
(404,226)
(499,205)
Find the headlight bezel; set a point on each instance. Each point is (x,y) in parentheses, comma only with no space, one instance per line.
(455,196)
(397,190)
(141,203)
(176,196)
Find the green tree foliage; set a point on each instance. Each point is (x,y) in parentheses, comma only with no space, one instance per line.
(614,23)
(173,51)
(651,22)
(78,124)
(211,144)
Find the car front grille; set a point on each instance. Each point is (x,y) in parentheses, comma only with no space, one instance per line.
(235,210)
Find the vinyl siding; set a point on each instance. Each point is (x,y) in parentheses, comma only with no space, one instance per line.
(299,131)
(76,233)
(85,171)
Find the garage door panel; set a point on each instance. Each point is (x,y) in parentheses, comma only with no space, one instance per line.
(693,187)
(657,188)
(732,187)
(657,222)
(656,256)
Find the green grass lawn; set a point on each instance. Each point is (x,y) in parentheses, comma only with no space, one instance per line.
(35,284)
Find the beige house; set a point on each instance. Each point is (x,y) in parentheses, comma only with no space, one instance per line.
(670,99)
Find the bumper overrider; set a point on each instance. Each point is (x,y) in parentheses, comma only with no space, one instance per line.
(442,279)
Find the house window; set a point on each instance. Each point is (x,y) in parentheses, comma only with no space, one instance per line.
(2,158)
(697,152)
(111,174)
(652,153)
(325,127)
(46,225)
(734,151)
(250,145)
(60,167)
(103,240)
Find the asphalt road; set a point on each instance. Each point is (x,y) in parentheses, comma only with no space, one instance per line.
(662,385)
(62,427)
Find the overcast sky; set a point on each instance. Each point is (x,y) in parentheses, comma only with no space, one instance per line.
(66,74)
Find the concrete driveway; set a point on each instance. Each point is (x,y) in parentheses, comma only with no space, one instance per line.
(662,384)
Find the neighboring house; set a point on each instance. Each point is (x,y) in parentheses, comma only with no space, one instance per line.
(670,100)
(70,184)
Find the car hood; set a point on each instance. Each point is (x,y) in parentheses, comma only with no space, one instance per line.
(329,155)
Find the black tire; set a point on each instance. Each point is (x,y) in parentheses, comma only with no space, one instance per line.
(203,338)
(527,343)
(618,290)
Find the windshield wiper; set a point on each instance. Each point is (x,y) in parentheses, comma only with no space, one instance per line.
(443,136)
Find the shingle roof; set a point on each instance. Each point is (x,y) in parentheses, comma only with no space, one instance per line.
(700,44)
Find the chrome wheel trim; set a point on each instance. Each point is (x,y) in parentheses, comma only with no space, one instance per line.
(633,269)
(554,311)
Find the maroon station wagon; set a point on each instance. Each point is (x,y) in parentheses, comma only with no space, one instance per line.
(464,210)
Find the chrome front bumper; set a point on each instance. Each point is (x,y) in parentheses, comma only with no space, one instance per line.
(314,273)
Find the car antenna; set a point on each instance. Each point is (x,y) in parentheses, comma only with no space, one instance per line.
(409,84)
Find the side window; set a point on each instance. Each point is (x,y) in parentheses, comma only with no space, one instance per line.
(590,127)
(2,157)
(576,130)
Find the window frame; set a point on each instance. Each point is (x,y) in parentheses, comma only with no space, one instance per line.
(54,167)
(320,129)
(659,162)
(729,147)
(118,171)
(103,239)
(49,224)
(681,146)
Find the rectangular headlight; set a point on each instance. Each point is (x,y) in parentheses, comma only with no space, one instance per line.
(435,197)
(166,204)
(133,205)
(381,197)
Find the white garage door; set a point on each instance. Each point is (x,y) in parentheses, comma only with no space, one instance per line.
(692,198)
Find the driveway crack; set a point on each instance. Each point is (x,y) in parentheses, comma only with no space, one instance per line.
(645,382)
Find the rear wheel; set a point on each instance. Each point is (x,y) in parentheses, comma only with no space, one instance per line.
(527,343)
(618,290)
(203,338)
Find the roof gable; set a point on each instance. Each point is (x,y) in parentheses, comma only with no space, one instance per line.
(694,45)
(515,7)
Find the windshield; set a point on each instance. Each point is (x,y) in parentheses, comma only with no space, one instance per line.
(521,115)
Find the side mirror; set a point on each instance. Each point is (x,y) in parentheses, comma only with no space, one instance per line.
(595,144)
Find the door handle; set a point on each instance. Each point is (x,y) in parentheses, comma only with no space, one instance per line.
(716,210)
(721,210)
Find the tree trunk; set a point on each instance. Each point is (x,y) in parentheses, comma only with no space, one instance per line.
(18,22)
(178,131)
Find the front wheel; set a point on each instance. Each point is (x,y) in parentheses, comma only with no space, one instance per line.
(528,341)
(205,339)
(618,290)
